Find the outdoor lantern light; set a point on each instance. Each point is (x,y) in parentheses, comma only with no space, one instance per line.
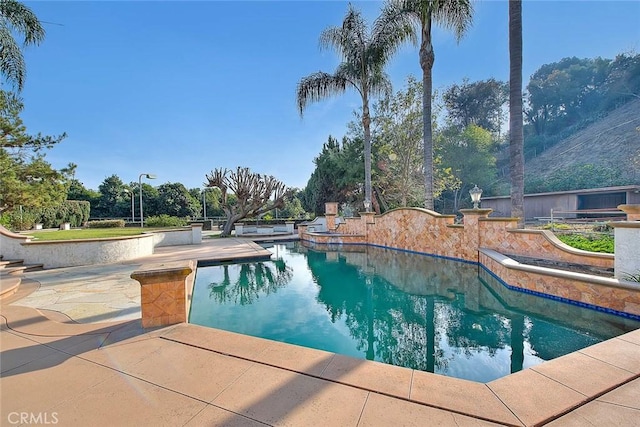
(475,196)
(367,206)
(148,176)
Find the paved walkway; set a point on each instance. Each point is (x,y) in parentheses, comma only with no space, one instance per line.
(107,370)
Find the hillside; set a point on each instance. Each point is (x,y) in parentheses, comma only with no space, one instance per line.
(611,142)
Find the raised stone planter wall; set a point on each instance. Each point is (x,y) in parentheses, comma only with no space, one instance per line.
(609,293)
(69,253)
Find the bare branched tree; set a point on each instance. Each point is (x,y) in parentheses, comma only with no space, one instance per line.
(255,194)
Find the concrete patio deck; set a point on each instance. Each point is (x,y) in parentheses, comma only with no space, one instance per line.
(71,356)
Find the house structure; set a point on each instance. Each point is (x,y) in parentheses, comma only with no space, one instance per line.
(595,202)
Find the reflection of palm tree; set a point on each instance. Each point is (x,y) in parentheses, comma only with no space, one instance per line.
(251,280)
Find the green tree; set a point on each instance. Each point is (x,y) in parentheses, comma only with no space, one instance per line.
(563,93)
(77,191)
(26,178)
(113,199)
(478,103)
(398,123)
(364,55)
(516,135)
(422,14)
(292,206)
(337,176)
(16,19)
(149,199)
(255,194)
(175,200)
(623,81)
(469,156)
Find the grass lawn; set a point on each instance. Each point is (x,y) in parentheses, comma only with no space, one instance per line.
(87,233)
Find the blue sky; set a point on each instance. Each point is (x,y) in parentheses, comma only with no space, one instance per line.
(180,88)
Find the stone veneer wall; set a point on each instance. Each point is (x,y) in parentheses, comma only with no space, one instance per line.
(501,235)
(426,231)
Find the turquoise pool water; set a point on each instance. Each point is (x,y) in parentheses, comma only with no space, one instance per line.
(395,307)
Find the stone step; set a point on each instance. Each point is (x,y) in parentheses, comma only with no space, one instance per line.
(10,263)
(19,269)
(9,286)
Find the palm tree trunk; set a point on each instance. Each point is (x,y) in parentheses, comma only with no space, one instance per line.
(366,121)
(516,137)
(427,58)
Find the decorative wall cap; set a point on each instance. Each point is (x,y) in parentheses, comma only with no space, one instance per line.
(630,209)
(82,241)
(625,224)
(486,211)
(153,273)
(496,219)
(427,211)
(9,233)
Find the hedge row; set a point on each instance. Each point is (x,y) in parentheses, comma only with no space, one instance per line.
(107,223)
(74,212)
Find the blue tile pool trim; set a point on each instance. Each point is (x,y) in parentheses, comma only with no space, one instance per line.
(502,282)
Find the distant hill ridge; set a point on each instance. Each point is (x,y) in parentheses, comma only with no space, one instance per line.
(613,141)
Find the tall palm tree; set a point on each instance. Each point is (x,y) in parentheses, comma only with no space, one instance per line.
(516,138)
(364,55)
(16,18)
(455,15)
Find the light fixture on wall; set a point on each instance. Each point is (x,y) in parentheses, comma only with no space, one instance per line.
(367,205)
(476,193)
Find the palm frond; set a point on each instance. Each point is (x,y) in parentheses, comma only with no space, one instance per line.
(332,38)
(351,72)
(391,29)
(456,15)
(12,63)
(318,86)
(19,17)
(380,84)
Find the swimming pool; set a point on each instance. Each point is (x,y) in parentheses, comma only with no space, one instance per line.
(405,309)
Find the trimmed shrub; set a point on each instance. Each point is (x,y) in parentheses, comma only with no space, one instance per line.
(600,243)
(165,220)
(556,226)
(603,227)
(74,212)
(15,221)
(108,223)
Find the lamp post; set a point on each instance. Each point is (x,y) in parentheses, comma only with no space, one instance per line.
(133,208)
(367,205)
(204,202)
(148,176)
(475,196)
